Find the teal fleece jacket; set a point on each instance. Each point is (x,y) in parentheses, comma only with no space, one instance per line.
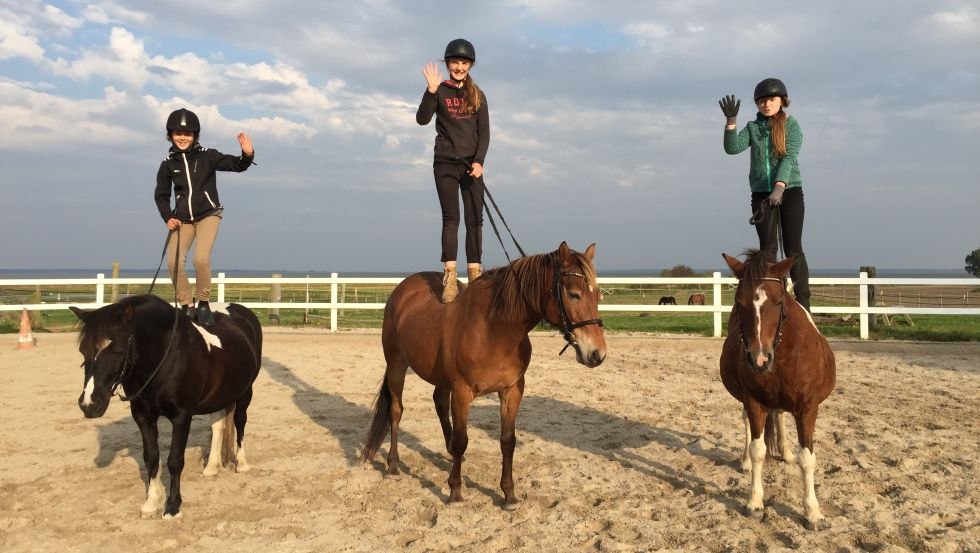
(765,169)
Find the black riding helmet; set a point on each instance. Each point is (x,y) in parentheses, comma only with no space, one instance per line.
(770,87)
(460,48)
(183,119)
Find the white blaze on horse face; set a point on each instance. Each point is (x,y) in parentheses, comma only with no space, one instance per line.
(89,390)
(758,301)
(209,339)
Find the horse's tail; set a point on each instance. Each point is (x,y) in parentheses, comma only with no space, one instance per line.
(379,424)
(770,434)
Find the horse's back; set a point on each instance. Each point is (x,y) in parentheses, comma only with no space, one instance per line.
(414,318)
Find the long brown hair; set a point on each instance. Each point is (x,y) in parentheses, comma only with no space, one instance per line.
(777,124)
(471,92)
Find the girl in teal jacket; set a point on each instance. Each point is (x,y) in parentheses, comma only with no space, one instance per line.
(774,139)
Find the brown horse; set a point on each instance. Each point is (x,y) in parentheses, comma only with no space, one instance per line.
(695,299)
(478,344)
(774,360)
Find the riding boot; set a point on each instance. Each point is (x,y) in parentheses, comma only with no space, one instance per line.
(188,312)
(449,289)
(800,273)
(204,316)
(473,273)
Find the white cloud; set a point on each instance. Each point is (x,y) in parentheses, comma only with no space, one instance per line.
(16,44)
(965,21)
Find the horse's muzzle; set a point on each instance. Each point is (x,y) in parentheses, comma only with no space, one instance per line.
(760,362)
(94,409)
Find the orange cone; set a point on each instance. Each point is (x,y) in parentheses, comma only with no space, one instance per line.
(26,340)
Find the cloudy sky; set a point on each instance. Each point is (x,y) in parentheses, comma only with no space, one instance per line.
(604,116)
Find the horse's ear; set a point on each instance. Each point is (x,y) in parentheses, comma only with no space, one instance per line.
(80,313)
(563,251)
(590,252)
(734,264)
(782,268)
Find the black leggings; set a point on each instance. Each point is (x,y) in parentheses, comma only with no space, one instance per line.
(450,178)
(791,213)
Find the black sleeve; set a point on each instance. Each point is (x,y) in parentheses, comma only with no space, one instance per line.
(427,108)
(161,195)
(226,162)
(482,131)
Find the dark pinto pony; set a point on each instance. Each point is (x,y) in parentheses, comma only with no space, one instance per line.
(173,368)
(773,360)
(667,300)
(479,344)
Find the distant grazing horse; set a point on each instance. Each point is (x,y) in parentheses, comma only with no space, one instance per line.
(696,299)
(478,344)
(175,368)
(667,300)
(774,359)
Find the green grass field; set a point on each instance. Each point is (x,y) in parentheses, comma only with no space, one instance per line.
(917,327)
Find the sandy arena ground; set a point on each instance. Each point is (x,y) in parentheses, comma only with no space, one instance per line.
(639,454)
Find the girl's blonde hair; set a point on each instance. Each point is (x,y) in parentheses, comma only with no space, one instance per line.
(777,124)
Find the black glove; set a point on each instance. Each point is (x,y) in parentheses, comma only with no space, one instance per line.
(729,106)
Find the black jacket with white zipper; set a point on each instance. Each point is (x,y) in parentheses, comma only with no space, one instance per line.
(191,173)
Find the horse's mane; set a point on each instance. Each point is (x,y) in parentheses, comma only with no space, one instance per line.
(98,324)
(520,287)
(755,266)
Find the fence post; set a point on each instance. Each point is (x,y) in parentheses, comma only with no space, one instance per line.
(100,289)
(333,302)
(716,294)
(221,287)
(872,300)
(863,298)
(275,297)
(115,287)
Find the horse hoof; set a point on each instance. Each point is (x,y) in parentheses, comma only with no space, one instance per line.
(393,476)
(816,525)
(752,513)
(511,505)
(175,516)
(148,514)
(209,472)
(242,468)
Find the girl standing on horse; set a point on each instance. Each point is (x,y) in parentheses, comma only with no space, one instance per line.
(190,170)
(774,176)
(462,140)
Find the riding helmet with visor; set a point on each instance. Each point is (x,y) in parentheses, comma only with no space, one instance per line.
(460,48)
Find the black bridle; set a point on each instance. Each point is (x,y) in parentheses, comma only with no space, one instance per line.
(567,326)
(779,325)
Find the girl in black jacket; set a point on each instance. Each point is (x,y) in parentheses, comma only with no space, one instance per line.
(190,170)
(462,140)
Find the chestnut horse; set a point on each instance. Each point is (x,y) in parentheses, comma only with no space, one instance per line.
(479,344)
(773,360)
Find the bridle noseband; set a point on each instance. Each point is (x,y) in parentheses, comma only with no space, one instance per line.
(779,325)
(567,326)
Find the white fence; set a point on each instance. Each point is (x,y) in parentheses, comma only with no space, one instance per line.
(716,281)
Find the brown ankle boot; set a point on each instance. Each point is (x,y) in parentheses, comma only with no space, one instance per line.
(449,289)
(473,273)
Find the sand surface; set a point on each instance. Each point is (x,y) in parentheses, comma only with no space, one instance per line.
(639,454)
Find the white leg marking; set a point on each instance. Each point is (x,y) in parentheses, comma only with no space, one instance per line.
(757,451)
(217,437)
(155,496)
(242,463)
(746,460)
(209,339)
(808,464)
